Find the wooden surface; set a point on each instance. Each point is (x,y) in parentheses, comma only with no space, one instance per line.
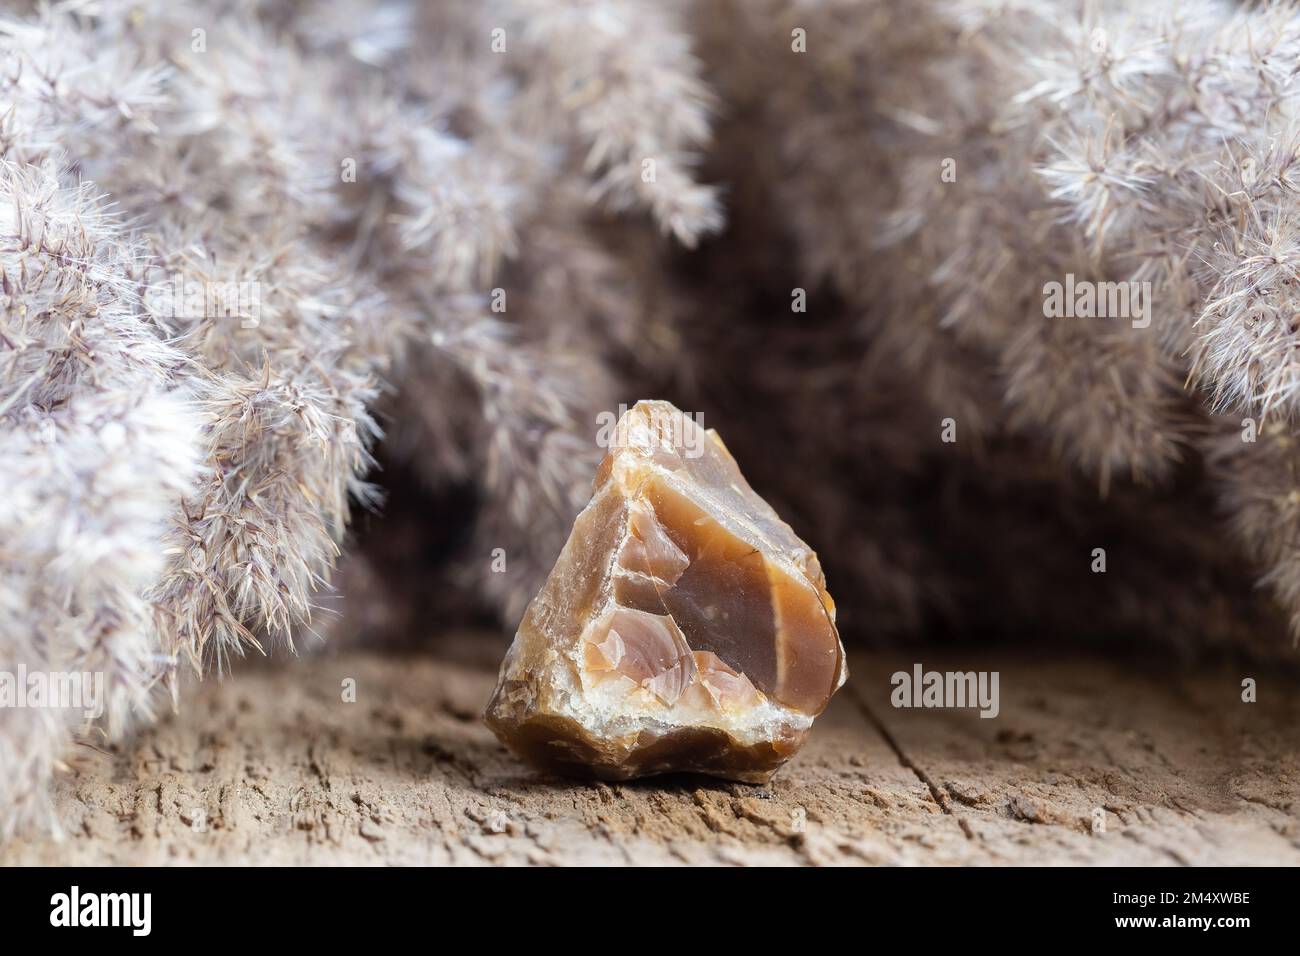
(272,766)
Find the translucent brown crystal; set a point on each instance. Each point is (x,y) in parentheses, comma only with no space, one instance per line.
(685,627)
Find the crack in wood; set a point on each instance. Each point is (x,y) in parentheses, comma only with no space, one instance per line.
(938,795)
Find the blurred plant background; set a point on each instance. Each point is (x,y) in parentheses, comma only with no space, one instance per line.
(309,310)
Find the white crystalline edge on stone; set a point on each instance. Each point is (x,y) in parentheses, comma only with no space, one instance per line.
(610,713)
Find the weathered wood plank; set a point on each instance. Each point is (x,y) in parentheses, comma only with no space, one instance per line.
(273,766)
(1177,767)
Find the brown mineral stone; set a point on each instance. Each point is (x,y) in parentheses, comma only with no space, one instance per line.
(685,627)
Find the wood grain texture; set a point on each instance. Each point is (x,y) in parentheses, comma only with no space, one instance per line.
(272,766)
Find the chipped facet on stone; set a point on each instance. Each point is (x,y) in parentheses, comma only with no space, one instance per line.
(685,627)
